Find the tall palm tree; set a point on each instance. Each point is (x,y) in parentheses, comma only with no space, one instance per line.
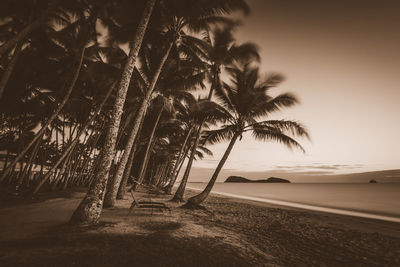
(172,20)
(220,52)
(246,100)
(74,38)
(203,111)
(90,208)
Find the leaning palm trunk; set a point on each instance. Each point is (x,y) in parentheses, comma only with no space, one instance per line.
(198,199)
(114,184)
(29,163)
(178,197)
(72,144)
(90,208)
(181,189)
(149,145)
(173,178)
(127,172)
(10,68)
(51,119)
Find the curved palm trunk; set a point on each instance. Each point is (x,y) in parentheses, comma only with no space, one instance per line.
(52,118)
(125,124)
(178,197)
(149,145)
(114,184)
(90,208)
(6,160)
(198,199)
(10,68)
(21,35)
(172,182)
(72,144)
(29,163)
(88,158)
(181,189)
(127,172)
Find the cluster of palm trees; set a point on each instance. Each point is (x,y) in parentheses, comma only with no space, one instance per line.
(77,110)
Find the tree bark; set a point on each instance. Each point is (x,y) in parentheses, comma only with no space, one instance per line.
(149,144)
(10,68)
(29,163)
(181,189)
(178,197)
(173,179)
(198,199)
(51,119)
(89,210)
(114,184)
(127,172)
(72,144)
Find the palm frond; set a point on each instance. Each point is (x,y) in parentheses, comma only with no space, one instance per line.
(291,127)
(274,134)
(264,108)
(225,133)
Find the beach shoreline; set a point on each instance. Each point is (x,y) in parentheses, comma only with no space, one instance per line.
(309,207)
(230,231)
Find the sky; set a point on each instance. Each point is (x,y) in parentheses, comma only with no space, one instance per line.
(342,60)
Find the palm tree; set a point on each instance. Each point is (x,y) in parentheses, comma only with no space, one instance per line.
(246,100)
(90,208)
(219,51)
(75,38)
(173,19)
(203,111)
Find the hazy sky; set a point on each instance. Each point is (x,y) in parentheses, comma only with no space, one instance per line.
(342,59)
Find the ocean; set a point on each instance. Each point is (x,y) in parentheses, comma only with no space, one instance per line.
(378,201)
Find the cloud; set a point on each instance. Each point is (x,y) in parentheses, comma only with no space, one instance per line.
(318,166)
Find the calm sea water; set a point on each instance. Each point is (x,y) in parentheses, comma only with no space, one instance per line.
(382,199)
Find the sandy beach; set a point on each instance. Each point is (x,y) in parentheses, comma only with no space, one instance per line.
(230,232)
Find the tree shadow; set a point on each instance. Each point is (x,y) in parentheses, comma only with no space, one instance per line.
(85,246)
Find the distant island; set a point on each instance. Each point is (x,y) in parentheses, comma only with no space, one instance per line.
(239,179)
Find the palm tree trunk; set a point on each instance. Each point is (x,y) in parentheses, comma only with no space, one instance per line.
(172,182)
(87,159)
(90,208)
(72,144)
(114,184)
(181,189)
(149,144)
(6,160)
(10,68)
(79,159)
(51,119)
(28,165)
(127,172)
(198,199)
(178,197)
(125,124)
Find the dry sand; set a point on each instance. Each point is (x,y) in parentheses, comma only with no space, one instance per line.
(231,232)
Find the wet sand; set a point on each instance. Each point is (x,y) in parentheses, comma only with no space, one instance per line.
(231,232)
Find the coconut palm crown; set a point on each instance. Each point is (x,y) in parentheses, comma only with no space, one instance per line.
(246,100)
